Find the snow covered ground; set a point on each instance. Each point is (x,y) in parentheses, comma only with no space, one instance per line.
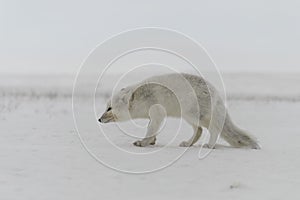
(41,155)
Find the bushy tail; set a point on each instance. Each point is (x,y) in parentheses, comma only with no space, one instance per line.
(237,137)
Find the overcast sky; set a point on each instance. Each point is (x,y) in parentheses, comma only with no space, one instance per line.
(56,35)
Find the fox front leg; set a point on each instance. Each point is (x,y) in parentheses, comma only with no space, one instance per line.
(156,115)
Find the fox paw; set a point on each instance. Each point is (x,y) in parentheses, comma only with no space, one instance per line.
(185,144)
(141,143)
(138,143)
(209,146)
(152,143)
(145,142)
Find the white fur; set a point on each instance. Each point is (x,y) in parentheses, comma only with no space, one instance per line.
(177,95)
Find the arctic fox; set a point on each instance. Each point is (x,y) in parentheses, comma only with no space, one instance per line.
(177,95)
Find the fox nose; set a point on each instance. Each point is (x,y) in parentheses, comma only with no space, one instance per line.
(99,120)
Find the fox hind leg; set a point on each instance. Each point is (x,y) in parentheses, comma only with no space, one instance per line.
(197,134)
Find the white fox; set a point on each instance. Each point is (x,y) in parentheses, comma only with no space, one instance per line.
(197,102)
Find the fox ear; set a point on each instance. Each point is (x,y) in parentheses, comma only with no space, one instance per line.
(137,93)
(132,96)
(126,97)
(131,99)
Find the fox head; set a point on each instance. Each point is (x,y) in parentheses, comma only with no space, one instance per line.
(117,108)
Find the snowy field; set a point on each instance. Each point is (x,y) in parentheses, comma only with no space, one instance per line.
(42,157)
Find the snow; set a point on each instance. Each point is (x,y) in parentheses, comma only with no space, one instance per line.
(42,157)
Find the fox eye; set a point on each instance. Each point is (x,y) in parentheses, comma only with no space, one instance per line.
(108,109)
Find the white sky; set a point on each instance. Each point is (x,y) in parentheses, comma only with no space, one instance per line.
(56,36)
